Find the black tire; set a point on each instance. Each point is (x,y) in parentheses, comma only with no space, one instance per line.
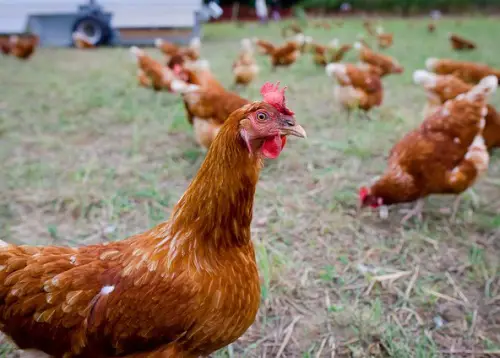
(95,28)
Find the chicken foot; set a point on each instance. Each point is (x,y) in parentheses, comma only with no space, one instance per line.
(416,211)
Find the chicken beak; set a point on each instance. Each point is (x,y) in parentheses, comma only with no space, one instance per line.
(290,127)
(296,131)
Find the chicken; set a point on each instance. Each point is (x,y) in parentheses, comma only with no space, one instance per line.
(470,72)
(356,87)
(192,51)
(263,47)
(339,51)
(431,27)
(23,47)
(459,43)
(81,41)
(184,288)
(287,54)
(160,76)
(291,29)
(387,64)
(441,88)
(320,54)
(207,105)
(245,69)
(446,154)
(384,39)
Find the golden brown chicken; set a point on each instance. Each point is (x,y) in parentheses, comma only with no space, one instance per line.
(441,88)
(445,155)
(431,27)
(460,43)
(355,87)
(207,104)
(23,47)
(182,289)
(339,51)
(470,72)
(287,54)
(387,64)
(290,30)
(81,41)
(160,76)
(320,54)
(245,68)
(169,49)
(384,39)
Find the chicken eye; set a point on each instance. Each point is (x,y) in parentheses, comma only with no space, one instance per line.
(261,116)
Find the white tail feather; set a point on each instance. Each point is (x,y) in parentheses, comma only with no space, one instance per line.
(485,88)
(425,78)
(136,52)
(158,42)
(431,63)
(179,86)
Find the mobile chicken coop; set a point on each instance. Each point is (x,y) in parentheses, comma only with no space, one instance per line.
(106,22)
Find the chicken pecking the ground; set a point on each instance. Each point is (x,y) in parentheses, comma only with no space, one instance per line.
(441,88)
(460,43)
(169,49)
(355,87)
(159,76)
(81,41)
(245,68)
(183,289)
(446,154)
(208,104)
(470,72)
(23,47)
(384,39)
(387,64)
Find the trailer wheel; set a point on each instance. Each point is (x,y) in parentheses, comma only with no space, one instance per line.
(94,28)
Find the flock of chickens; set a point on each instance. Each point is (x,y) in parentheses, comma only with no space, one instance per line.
(190,285)
(358,86)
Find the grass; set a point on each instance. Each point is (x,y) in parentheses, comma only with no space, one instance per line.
(87,156)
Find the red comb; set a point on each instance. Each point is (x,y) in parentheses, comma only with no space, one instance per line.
(275,96)
(363,193)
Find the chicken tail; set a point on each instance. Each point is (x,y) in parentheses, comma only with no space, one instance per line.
(425,78)
(136,52)
(158,42)
(431,63)
(182,87)
(337,70)
(474,164)
(483,89)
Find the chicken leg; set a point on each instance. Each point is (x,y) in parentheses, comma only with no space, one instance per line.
(416,211)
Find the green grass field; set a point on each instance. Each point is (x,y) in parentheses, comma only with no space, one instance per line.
(87,157)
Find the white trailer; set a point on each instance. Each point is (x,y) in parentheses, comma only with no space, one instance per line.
(106,22)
